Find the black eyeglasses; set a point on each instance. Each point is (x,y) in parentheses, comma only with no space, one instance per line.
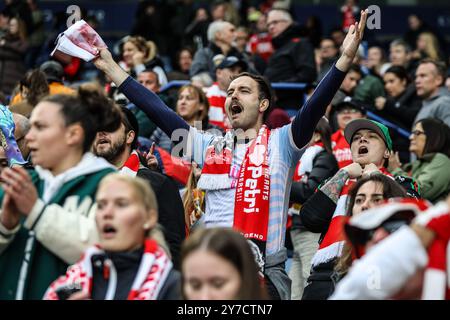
(417,133)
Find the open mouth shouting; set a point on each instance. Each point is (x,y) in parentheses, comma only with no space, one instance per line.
(108,231)
(363,150)
(235,108)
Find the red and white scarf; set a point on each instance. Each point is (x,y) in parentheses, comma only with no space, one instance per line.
(251,208)
(153,271)
(334,240)
(131,166)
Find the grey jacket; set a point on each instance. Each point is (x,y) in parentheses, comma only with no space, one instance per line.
(437,106)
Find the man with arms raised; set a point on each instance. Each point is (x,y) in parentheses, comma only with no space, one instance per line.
(247,183)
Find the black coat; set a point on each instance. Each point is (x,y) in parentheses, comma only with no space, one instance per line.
(324,167)
(292,61)
(170,210)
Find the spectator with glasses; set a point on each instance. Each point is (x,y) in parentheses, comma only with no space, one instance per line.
(430,142)
(292,60)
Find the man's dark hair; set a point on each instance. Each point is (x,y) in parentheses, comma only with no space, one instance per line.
(264,89)
(355,68)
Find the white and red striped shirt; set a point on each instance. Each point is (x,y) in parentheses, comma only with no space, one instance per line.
(216,98)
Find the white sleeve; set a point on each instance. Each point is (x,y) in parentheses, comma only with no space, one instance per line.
(385,269)
(7,236)
(65,233)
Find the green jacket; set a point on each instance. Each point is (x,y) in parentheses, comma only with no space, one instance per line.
(368,89)
(54,234)
(432,173)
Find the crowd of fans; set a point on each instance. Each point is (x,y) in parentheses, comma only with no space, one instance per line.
(117,185)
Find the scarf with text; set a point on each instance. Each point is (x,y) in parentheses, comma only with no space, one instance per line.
(153,271)
(251,209)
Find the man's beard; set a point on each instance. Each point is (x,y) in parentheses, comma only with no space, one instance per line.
(112,153)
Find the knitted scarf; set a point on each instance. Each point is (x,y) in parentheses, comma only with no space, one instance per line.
(153,271)
(251,209)
(334,240)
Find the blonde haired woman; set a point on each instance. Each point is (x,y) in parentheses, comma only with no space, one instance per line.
(131,261)
(140,54)
(428,47)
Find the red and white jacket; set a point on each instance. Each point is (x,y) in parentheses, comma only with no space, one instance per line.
(341,149)
(216,98)
(153,271)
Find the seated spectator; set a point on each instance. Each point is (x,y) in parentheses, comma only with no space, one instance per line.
(13,47)
(369,87)
(399,107)
(54,74)
(430,142)
(260,43)
(316,165)
(400,55)
(149,79)
(216,94)
(348,86)
(120,149)
(46,218)
(376,61)
(430,77)
(328,54)
(131,249)
(427,47)
(218,264)
(183,64)
(292,60)
(192,106)
(139,54)
(32,89)
(221,37)
(346,111)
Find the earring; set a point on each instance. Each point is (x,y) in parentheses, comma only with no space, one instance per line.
(146,226)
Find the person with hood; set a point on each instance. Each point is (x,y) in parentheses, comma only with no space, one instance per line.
(47,215)
(293,58)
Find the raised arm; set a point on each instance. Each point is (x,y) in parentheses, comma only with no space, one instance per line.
(164,117)
(306,119)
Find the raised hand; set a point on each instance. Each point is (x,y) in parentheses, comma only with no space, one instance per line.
(106,63)
(152,161)
(352,42)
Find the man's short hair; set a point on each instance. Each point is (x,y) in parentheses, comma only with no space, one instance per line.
(285,13)
(440,66)
(355,68)
(264,89)
(403,43)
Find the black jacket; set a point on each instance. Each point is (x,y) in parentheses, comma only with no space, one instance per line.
(316,215)
(402,111)
(324,167)
(292,61)
(170,210)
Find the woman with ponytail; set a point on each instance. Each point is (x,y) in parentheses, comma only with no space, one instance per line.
(47,214)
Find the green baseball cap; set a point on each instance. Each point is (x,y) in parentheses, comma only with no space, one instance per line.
(375,126)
